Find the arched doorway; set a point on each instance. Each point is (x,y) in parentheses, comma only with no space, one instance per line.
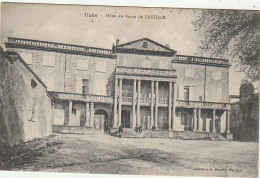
(101,120)
(125,118)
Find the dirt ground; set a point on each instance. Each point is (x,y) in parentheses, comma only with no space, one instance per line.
(105,154)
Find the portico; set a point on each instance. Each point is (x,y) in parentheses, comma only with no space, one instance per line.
(146,93)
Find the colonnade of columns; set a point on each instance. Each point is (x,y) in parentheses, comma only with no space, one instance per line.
(136,102)
(89,113)
(198,123)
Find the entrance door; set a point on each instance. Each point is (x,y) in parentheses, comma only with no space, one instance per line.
(101,121)
(184,117)
(125,119)
(99,118)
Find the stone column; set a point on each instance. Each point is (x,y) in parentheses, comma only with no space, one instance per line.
(170,106)
(214,121)
(138,101)
(195,123)
(156,105)
(152,98)
(92,115)
(133,100)
(115,104)
(87,114)
(173,103)
(227,121)
(199,120)
(119,102)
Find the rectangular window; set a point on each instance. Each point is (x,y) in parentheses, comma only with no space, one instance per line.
(186,93)
(100,66)
(48,60)
(82,64)
(100,87)
(27,57)
(126,90)
(74,111)
(49,82)
(85,86)
(163,64)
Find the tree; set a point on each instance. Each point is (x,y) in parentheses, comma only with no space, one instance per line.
(231,34)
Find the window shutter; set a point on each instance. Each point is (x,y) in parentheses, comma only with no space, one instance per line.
(48,60)
(100,87)
(181,92)
(78,86)
(82,64)
(191,97)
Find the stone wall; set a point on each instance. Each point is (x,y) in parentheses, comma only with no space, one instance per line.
(25,108)
(65,71)
(193,76)
(137,60)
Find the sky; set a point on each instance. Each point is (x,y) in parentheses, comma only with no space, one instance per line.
(68,24)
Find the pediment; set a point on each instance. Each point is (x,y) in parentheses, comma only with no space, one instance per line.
(146,44)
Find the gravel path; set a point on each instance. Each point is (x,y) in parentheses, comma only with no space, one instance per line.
(151,156)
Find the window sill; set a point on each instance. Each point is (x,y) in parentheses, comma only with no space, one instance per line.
(82,69)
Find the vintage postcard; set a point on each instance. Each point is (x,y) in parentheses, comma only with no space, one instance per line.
(129,90)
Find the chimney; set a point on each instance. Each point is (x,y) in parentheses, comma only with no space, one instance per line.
(117,42)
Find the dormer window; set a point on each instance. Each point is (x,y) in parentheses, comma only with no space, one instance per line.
(145,45)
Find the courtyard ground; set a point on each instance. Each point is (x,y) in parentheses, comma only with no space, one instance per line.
(105,154)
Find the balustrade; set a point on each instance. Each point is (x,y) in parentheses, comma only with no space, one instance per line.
(201,59)
(202,104)
(87,98)
(59,46)
(145,71)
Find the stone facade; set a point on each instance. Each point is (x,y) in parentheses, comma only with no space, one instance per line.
(137,83)
(26,109)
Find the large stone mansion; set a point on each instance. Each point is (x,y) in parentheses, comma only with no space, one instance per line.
(139,83)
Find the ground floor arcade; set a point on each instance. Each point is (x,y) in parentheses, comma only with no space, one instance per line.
(99,116)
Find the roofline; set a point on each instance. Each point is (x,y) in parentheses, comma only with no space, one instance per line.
(199,60)
(85,50)
(203,57)
(128,43)
(56,43)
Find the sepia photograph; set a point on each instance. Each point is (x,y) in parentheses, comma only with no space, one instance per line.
(111,90)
